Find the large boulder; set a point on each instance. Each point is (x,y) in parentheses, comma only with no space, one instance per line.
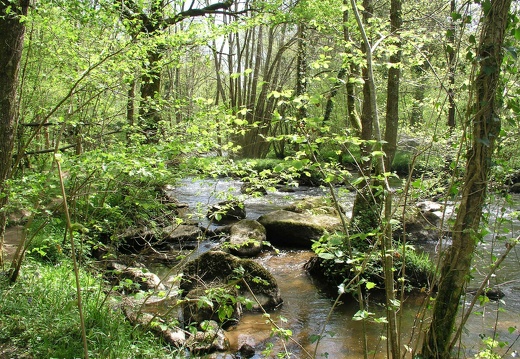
(216,269)
(246,238)
(209,338)
(301,223)
(213,302)
(172,335)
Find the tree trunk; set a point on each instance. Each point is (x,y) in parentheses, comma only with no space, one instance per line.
(352,117)
(150,111)
(12,32)
(416,117)
(389,148)
(301,70)
(451,69)
(392,97)
(485,129)
(367,209)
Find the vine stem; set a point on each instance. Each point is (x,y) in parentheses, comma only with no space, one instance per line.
(73,255)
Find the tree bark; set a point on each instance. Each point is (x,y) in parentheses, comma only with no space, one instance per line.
(451,69)
(301,70)
(12,32)
(352,117)
(486,125)
(392,97)
(367,209)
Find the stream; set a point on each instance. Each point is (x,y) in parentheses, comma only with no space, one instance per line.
(307,305)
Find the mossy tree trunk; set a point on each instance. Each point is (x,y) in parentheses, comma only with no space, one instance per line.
(485,129)
(12,31)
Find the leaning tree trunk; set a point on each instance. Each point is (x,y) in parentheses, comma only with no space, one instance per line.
(485,129)
(12,32)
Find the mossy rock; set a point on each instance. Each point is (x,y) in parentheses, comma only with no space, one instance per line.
(217,268)
(246,238)
(298,230)
(312,205)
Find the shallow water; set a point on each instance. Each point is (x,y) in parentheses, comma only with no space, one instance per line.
(307,308)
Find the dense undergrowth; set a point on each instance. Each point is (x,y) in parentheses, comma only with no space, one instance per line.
(39,318)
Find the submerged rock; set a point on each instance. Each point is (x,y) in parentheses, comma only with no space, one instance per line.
(494,293)
(246,346)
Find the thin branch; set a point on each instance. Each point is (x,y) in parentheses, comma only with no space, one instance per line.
(62,101)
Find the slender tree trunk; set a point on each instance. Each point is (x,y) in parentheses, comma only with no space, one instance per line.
(486,125)
(392,97)
(352,117)
(451,69)
(12,32)
(301,70)
(416,116)
(389,148)
(367,209)
(329,106)
(130,103)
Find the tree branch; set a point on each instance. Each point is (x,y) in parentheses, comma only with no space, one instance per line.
(210,9)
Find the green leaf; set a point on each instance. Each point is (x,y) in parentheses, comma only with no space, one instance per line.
(455,16)
(517,33)
(314,338)
(326,256)
(381,320)
(361,315)
(370,285)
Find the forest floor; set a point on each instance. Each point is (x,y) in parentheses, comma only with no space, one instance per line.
(12,239)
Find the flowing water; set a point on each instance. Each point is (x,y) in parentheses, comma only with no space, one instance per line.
(307,305)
